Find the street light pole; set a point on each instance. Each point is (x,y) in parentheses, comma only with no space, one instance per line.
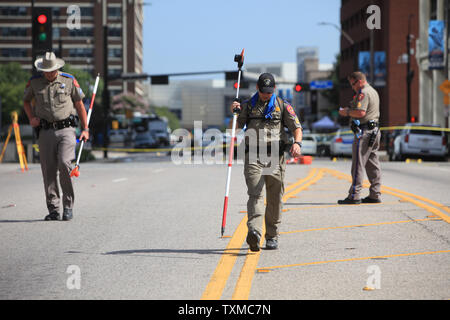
(409,72)
(105,81)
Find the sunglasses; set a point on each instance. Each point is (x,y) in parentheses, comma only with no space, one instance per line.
(355,82)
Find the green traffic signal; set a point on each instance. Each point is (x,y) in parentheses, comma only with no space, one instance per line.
(42,36)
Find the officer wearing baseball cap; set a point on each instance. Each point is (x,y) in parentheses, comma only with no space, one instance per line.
(266,113)
(52,101)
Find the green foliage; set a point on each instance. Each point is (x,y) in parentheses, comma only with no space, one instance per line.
(13,80)
(174,122)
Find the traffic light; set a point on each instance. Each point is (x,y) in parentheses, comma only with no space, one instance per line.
(413,119)
(301,87)
(232,76)
(41,31)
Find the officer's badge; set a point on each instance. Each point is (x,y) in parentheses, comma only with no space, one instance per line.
(277,109)
(359,105)
(290,110)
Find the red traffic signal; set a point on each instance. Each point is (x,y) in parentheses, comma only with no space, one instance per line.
(236,85)
(413,119)
(42,18)
(298,88)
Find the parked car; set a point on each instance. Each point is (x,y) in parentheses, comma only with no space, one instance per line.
(309,144)
(117,136)
(341,143)
(323,144)
(420,140)
(144,140)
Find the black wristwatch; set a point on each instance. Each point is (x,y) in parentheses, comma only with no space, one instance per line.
(299,143)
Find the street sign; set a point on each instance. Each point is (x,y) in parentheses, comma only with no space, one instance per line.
(445,87)
(321,85)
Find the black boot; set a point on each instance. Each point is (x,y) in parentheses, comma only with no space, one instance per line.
(253,240)
(349,201)
(52,216)
(370,200)
(67,214)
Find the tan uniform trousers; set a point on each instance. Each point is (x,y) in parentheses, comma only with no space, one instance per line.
(364,158)
(274,193)
(56,151)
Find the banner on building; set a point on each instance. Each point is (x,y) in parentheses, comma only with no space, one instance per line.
(379,62)
(436,44)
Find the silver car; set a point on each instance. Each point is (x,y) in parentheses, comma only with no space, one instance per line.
(420,140)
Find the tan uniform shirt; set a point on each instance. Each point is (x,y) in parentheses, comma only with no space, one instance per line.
(54,100)
(273,129)
(367,100)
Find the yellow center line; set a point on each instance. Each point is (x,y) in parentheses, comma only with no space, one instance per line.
(220,276)
(406,196)
(354,259)
(337,205)
(218,280)
(361,225)
(244,282)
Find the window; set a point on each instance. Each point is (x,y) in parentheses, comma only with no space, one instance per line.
(115,53)
(115,32)
(14,53)
(80,53)
(83,32)
(14,32)
(114,12)
(13,11)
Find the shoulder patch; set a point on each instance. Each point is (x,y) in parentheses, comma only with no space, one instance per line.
(361,96)
(290,110)
(68,75)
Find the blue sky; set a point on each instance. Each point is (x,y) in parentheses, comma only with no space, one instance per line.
(202,35)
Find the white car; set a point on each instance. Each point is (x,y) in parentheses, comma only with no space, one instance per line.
(420,140)
(341,143)
(309,144)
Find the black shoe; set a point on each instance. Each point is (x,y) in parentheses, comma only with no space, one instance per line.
(52,216)
(370,200)
(67,214)
(271,244)
(253,240)
(349,201)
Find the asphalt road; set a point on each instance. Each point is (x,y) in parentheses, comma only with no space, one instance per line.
(149,229)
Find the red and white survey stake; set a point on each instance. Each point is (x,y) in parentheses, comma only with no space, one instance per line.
(76,171)
(239,58)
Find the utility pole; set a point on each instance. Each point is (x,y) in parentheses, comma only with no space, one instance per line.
(105,79)
(409,72)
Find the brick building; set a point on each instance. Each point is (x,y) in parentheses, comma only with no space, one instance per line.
(83,47)
(398,19)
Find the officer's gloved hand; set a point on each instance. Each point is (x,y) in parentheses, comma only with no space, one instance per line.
(236,106)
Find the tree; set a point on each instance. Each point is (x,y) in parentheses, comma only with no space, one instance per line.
(13,80)
(164,112)
(124,102)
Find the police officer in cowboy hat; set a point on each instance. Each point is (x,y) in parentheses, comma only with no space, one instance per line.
(58,101)
(265,113)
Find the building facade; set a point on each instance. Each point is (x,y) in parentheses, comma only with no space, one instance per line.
(81,45)
(384,29)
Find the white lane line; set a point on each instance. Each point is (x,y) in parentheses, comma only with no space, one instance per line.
(120,180)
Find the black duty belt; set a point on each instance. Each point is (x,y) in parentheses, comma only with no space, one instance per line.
(369,125)
(71,121)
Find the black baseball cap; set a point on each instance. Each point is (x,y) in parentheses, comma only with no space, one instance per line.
(266,83)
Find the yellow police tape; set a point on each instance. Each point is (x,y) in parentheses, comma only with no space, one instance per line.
(131,150)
